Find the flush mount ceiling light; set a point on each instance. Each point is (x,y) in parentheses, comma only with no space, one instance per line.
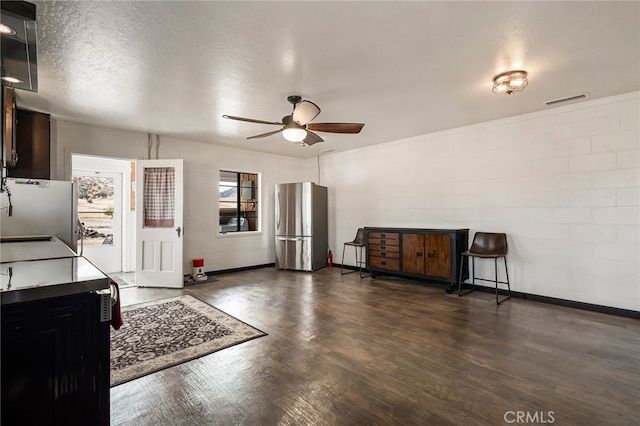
(509,82)
(294,134)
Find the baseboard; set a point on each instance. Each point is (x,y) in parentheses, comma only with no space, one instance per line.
(546,299)
(516,294)
(243,268)
(557,301)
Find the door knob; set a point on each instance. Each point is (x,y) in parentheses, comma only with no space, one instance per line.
(178,230)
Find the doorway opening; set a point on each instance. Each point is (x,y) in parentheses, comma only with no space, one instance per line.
(106,209)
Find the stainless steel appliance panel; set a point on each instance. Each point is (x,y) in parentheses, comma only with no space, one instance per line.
(293,209)
(282,199)
(295,253)
(319,214)
(42,207)
(301,212)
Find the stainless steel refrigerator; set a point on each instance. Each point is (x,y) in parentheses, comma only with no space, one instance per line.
(41,207)
(301,226)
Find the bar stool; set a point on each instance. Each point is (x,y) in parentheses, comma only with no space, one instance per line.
(487,245)
(358,242)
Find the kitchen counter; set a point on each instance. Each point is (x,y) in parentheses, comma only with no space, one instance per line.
(42,268)
(30,280)
(40,247)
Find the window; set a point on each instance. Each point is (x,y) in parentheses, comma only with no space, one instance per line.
(238,202)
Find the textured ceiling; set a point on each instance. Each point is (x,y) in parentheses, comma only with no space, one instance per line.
(403,68)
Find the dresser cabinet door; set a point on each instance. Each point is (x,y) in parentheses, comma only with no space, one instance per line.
(413,256)
(438,255)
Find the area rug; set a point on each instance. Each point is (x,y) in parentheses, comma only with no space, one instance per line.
(163,333)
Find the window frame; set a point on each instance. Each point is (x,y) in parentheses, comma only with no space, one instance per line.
(257,197)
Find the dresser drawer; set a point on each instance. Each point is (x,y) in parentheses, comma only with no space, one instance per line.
(383,253)
(383,235)
(384,247)
(384,241)
(384,263)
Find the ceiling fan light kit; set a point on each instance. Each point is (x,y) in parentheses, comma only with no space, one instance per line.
(296,127)
(294,134)
(509,82)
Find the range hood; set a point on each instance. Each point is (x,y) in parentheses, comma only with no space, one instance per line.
(19,61)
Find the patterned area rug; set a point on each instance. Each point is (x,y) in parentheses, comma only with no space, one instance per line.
(167,332)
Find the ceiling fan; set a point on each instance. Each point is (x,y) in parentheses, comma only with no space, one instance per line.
(296,126)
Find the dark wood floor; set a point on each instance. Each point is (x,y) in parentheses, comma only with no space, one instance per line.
(389,351)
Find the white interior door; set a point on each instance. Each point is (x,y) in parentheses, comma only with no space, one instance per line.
(159,199)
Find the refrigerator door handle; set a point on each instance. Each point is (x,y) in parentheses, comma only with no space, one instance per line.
(278,210)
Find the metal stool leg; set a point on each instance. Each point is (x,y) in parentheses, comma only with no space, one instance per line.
(342,264)
(460,275)
(506,271)
(473,277)
(362,262)
(344,247)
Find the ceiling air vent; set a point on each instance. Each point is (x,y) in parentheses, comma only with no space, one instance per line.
(567,99)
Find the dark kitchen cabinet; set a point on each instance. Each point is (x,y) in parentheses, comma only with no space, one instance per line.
(33,146)
(55,362)
(432,254)
(9,126)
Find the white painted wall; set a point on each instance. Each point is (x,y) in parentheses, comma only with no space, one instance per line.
(564,184)
(202,163)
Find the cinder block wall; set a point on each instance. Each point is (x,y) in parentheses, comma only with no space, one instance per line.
(564,183)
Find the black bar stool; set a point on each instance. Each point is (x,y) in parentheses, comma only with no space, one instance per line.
(357,243)
(487,245)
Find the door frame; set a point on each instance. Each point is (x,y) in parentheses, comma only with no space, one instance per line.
(91,163)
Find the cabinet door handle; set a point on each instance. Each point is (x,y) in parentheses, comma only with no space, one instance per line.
(383,262)
(431,254)
(383,235)
(383,241)
(419,254)
(383,247)
(383,253)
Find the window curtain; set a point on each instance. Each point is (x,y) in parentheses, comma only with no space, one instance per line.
(159,201)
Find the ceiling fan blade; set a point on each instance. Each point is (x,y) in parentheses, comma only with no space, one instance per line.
(304,112)
(312,138)
(250,120)
(336,127)
(264,135)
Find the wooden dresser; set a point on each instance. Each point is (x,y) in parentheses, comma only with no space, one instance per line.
(432,254)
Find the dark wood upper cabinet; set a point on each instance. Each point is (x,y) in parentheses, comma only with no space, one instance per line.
(9,126)
(33,147)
